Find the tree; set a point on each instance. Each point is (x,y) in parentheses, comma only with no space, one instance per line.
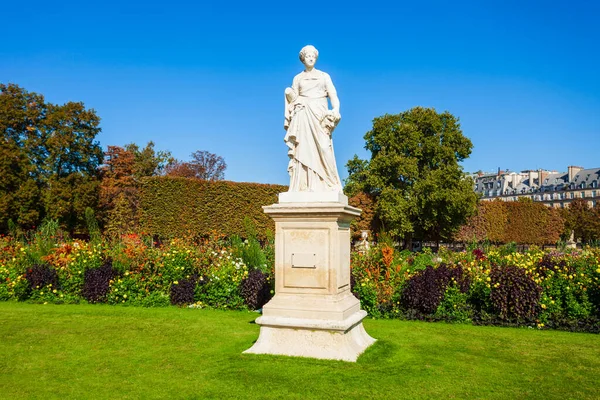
(204,165)
(122,171)
(414,174)
(147,161)
(46,149)
(582,220)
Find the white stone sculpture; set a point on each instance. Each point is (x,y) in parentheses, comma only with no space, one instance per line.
(310,124)
(313,312)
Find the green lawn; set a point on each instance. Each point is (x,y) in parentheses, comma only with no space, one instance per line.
(84,351)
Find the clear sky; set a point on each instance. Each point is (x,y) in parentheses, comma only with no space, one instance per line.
(522,76)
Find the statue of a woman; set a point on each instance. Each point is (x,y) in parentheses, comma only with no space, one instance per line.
(309,124)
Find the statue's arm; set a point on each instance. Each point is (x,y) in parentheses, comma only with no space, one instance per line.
(333,97)
(290,97)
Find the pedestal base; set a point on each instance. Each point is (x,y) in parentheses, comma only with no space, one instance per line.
(325,339)
(313,313)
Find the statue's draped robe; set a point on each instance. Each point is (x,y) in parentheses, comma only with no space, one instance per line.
(312,163)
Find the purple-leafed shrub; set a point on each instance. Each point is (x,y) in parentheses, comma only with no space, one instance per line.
(255,289)
(425,290)
(514,294)
(40,275)
(182,293)
(96,282)
(353,285)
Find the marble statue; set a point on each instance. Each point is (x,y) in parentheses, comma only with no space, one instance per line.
(309,124)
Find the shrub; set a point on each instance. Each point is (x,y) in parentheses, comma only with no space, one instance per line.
(220,288)
(454,307)
(514,294)
(96,282)
(425,290)
(182,292)
(255,289)
(40,276)
(175,207)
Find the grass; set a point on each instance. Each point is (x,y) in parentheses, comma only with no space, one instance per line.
(86,351)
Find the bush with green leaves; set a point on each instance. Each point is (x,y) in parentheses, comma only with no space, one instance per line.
(220,287)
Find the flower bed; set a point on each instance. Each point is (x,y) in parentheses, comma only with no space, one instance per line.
(134,271)
(498,286)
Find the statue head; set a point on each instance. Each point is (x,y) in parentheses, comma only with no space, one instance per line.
(308,49)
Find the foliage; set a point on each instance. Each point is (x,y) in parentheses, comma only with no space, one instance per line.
(48,160)
(582,220)
(255,289)
(426,289)
(377,280)
(122,171)
(41,275)
(514,294)
(179,207)
(97,282)
(414,174)
(485,285)
(454,306)
(204,165)
(367,221)
(92,226)
(221,286)
(182,293)
(523,222)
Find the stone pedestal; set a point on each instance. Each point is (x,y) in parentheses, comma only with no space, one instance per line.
(313,313)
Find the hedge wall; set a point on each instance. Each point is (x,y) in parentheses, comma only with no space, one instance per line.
(523,222)
(175,207)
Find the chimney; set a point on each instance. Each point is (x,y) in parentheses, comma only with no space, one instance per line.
(573,170)
(530,178)
(542,176)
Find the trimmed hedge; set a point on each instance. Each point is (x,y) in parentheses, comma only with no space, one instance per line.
(180,207)
(523,222)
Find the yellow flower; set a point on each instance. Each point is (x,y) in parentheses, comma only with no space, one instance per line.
(176,282)
(124,296)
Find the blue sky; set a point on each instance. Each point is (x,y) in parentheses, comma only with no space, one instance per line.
(522,76)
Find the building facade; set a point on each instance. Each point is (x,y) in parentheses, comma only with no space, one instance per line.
(554,189)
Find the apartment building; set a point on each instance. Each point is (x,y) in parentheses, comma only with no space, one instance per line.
(553,188)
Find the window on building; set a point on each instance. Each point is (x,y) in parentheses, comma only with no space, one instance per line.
(593,193)
(562,205)
(582,185)
(572,195)
(593,203)
(582,194)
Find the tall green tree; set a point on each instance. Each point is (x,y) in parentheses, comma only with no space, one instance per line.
(414,174)
(48,159)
